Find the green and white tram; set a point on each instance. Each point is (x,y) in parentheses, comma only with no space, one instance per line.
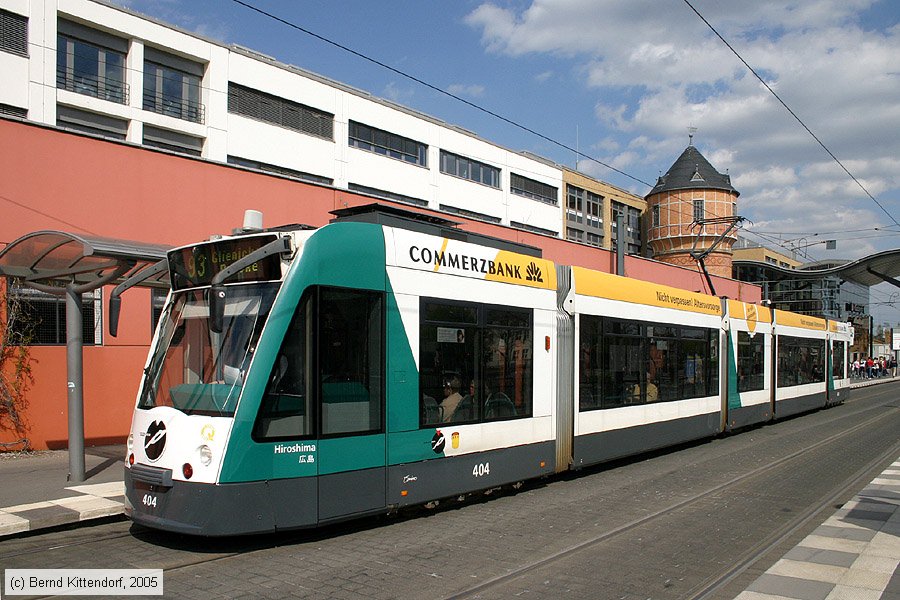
(300,377)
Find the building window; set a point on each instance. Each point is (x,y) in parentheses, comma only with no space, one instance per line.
(655,217)
(172,141)
(466,168)
(533,229)
(593,210)
(172,86)
(575,235)
(388,144)
(575,204)
(699,211)
(632,220)
(471,214)
(13,33)
(594,239)
(13,111)
(261,166)
(157,303)
(370,191)
(92,123)
(91,62)
(535,190)
(46,316)
(279,111)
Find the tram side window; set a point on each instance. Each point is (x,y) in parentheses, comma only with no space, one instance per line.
(329,367)
(623,353)
(351,361)
(629,362)
(287,406)
(838,359)
(507,363)
(476,362)
(800,361)
(751,351)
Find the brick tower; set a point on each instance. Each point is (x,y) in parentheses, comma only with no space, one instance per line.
(692,190)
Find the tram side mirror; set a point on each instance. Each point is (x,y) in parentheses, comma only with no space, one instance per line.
(115,305)
(216,308)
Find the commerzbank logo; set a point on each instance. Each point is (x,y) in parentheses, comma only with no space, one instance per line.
(752,317)
(507,269)
(533,273)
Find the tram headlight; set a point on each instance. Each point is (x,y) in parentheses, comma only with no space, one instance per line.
(205,455)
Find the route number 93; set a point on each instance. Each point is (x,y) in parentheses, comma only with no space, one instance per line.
(481,469)
(149,501)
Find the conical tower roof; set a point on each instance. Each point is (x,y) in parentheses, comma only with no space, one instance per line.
(692,172)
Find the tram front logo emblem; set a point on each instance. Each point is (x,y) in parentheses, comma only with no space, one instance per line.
(155,440)
(438,442)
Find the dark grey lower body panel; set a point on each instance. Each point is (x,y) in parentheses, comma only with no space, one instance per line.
(253,507)
(259,506)
(608,445)
(454,475)
(214,510)
(748,415)
(839,395)
(793,406)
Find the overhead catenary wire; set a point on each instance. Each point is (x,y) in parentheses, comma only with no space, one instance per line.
(792,113)
(437,89)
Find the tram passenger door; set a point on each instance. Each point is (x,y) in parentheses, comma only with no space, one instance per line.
(350,371)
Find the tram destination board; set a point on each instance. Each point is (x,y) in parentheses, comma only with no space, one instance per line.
(196,266)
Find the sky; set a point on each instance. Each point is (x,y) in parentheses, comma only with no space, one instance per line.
(622,82)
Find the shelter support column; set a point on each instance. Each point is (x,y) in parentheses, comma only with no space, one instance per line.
(74,382)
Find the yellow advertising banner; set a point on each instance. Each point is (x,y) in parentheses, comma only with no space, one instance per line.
(783,317)
(613,287)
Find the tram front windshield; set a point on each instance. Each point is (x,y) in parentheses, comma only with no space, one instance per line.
(199,371)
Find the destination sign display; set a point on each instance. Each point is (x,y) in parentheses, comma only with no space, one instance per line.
(196,266)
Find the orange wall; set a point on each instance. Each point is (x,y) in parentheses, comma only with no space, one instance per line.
(63,181)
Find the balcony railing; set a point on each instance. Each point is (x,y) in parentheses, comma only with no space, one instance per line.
(175,107)
(105,88)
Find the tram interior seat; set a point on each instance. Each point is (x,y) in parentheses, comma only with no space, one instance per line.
(465,410)
(432,412)
(499,405)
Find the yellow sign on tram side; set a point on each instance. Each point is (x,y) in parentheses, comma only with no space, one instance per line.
(613,287)
(783,317)
(752,313)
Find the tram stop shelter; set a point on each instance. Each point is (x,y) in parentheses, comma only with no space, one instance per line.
(69,265)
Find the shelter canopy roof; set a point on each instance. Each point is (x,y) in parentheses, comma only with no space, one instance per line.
(53,257)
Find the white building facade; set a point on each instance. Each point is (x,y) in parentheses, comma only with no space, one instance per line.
(101,69)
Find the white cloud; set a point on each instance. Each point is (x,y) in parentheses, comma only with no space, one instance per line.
(471,90)
(842,80)
(397,93)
